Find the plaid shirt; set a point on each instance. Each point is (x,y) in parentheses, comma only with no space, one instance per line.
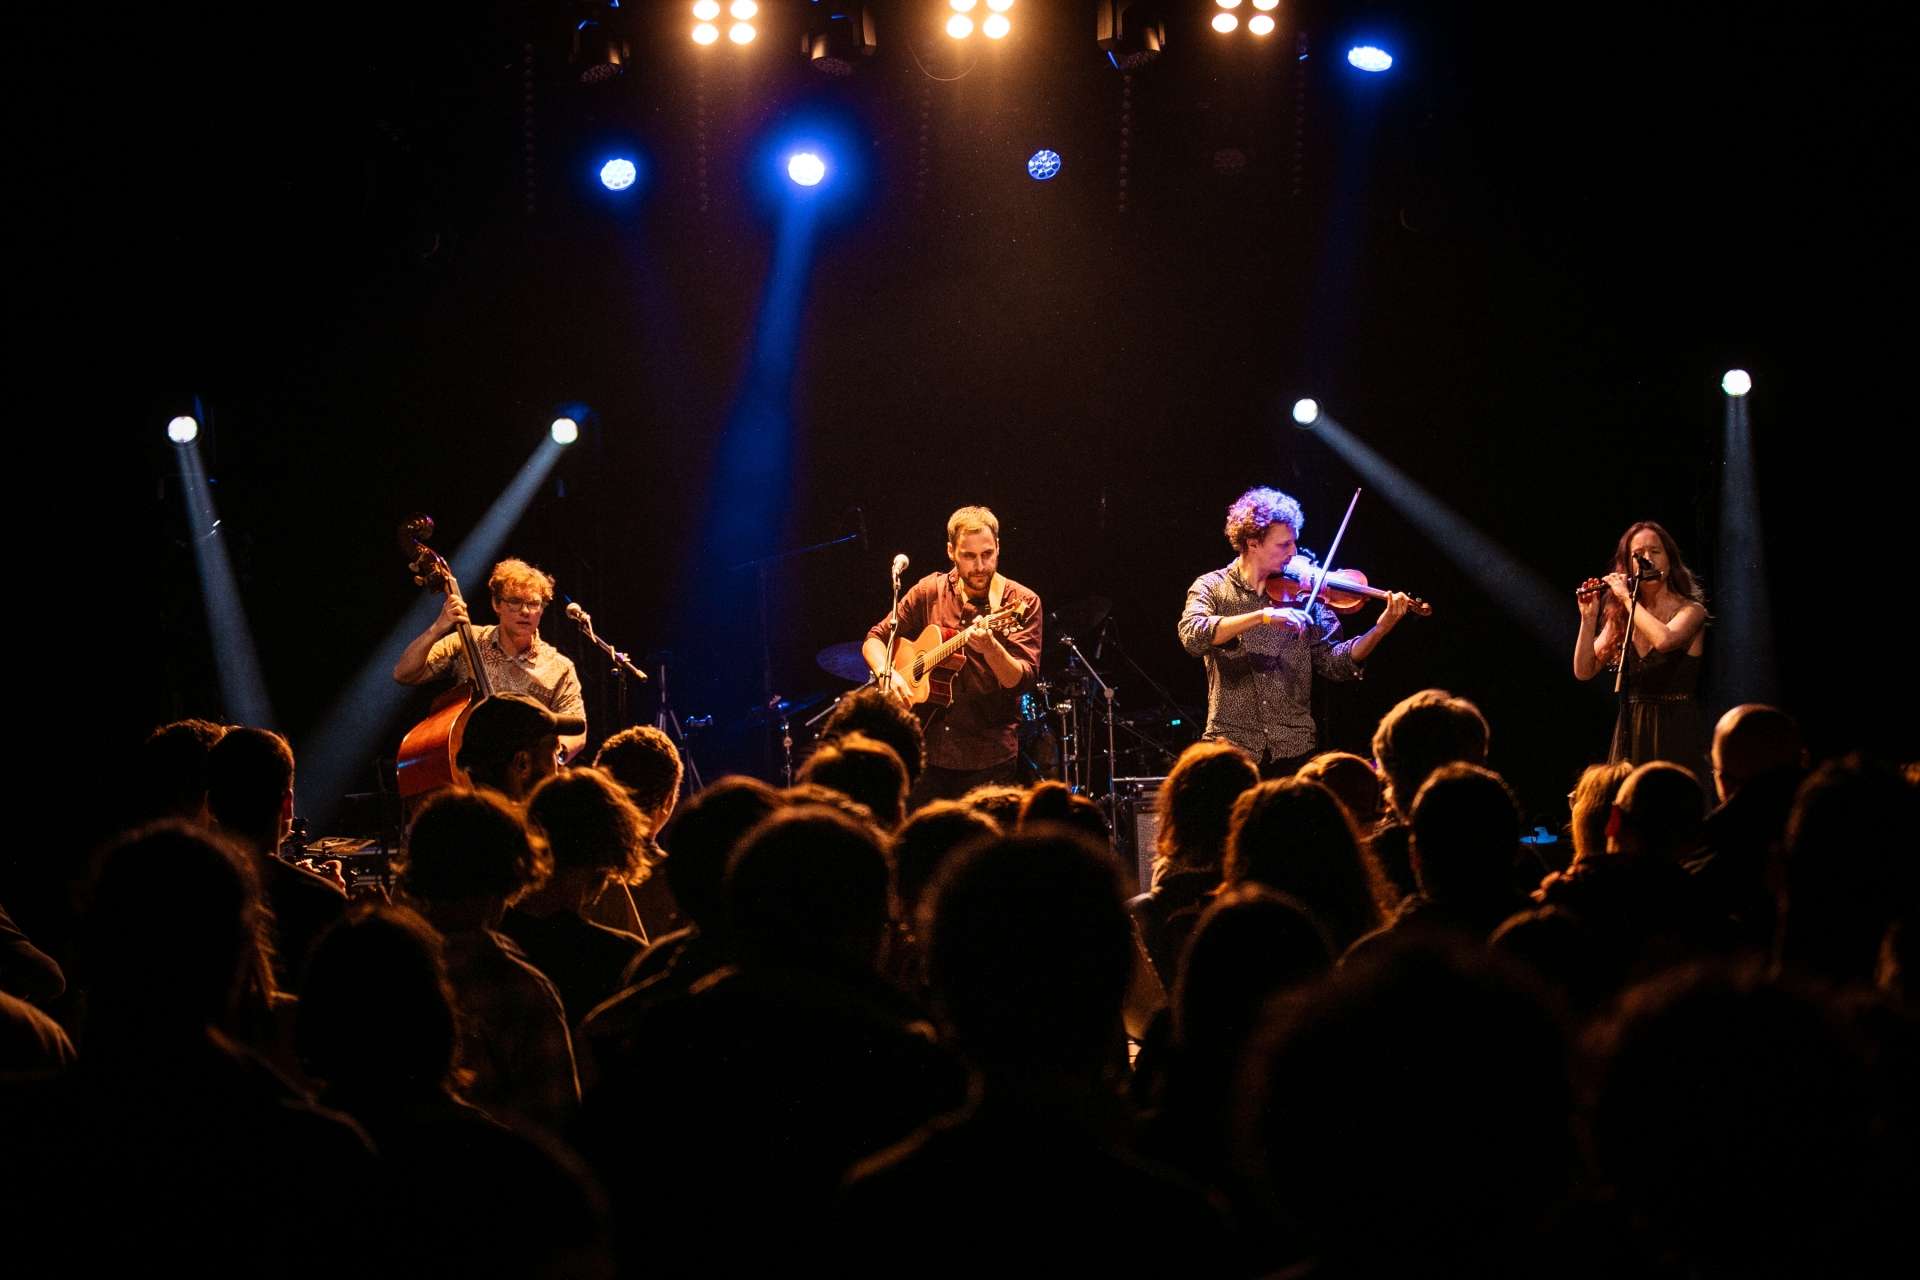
(513,1033)
(1260,683)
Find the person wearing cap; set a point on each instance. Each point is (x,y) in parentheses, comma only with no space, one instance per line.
(512,742)
(517,659)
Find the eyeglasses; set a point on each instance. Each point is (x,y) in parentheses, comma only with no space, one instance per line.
(510,605)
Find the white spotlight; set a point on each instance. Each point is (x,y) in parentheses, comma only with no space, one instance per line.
(1266,6)
(1306,412)
(1224,22)
(565,430)
(706,10)
(705,33)
(1260,24)
(959,26)
(743,9)
(1737,382)
(963,6)
(996,26)
(807,169)
(999,6)
(741,33)
(183,430)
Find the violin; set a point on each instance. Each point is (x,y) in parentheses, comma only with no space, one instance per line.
(1344,590)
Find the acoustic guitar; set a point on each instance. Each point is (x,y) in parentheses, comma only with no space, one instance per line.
(929,662)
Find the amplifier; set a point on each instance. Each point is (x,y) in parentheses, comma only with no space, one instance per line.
(1137,825)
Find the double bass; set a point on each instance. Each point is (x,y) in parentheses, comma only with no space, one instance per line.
(428,759)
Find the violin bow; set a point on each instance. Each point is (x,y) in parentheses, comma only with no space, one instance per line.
(1326,566)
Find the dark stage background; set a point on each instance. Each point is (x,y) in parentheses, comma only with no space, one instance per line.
(1516,266)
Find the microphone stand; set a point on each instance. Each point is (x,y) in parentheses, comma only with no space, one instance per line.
(1106,690)
(1626,637)
(893,634)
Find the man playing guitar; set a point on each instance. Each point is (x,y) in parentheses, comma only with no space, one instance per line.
(969,699)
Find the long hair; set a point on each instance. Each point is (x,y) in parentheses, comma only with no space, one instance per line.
(1681,580)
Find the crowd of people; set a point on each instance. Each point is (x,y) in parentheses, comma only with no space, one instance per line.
(1351,1025)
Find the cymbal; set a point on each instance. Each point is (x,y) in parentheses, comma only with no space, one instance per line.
(787,707)
(1080,617)
(844,661)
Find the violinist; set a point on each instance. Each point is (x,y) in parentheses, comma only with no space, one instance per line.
(1262,656)
(1659,718)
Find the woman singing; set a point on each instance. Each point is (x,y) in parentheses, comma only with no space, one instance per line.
(1659,719)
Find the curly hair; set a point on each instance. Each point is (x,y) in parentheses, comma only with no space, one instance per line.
(590,824)
(644,760)
(509,574)
(1256,511)
(467,844)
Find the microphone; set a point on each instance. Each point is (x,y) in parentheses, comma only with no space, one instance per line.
(899,565)
(579,615)
(1647,572)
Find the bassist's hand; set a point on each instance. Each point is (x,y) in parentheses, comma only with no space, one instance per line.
(453,612)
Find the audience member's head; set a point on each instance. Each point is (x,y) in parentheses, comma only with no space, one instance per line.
(1751,740)
(1591,802)
(644,760)
(470,848)
(1734,1118)
(170,774)
(1251,943)
(511,742)
(250,787)
(1353,780)
(1657,812)
(1849,872)
(1029,951)
(1564,952)
(876,713)
(1295,837)
(1424,1087)
(591,828)
(704,834)
(1196,807)
(863,769)
(1422,732)
(376,1018)
(926,840)
(1055,803)
(999,801)
(808,888)
(1466,832)
(173,926)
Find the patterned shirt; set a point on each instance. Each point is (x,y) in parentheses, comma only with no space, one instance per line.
(1260,683)
(542,672)
(977,731)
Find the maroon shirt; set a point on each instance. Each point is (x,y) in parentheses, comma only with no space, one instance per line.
(978,730)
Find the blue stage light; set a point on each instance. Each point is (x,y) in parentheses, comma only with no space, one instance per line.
(1737,382)
(1044,164)
(1306,412)
(1368,58)
(565,431)
(182,430)
(618,174)
(807,169)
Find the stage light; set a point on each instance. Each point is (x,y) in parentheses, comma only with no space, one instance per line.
(1737,382)
(1266,6)
(1368,58)
(962,6)
(999,6)
(618,175)
(183,430)
(807,169)
(1260,24)
(1224,22)
(1044,164)
(959,26)
(1306,412)
(743,9)
(1228,4)
(706,10)
(564,431)
(741,33)
(996,26)
(1131,33)
(705,33)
